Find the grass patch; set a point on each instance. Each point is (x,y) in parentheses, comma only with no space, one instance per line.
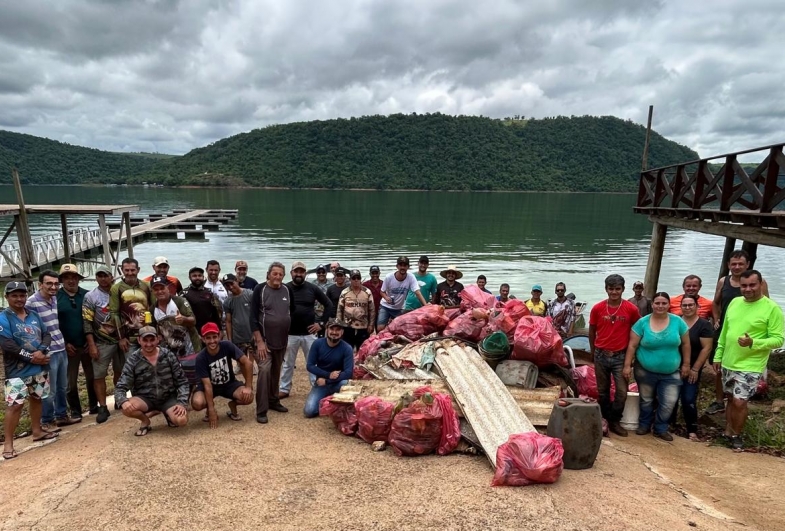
(765,431)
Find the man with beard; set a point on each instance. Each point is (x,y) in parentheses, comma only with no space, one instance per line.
(237,308)
(241,272)
(395,289)
(129,299)
(356,311)
(375,285)
(102,340)
(177,326)
(305,325)
(204,303)
(448,292)
(323,283)
(427,283)
(562,311)
(334,291)
(156,381)
(330,363)
(271,309)
(213,282)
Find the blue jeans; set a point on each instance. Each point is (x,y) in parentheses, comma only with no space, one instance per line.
(386,315)
(666,388)
(54,407)
(689,405)
(605,368)
(318,392)
(293,346)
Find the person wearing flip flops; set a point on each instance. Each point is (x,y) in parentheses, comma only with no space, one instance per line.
(214,370)
(752,327)
(24,341)
(155,378)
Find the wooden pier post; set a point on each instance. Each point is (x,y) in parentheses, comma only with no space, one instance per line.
(129,238)
(105,240)
(752,250)
(23,229)
(730,246)
(654,264)
(66,241)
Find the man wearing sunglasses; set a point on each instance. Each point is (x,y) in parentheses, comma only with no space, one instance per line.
(562,311)
(70,298)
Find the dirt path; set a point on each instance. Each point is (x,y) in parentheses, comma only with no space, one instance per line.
(303,474)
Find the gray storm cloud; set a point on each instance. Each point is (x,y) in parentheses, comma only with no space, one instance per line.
(170,76)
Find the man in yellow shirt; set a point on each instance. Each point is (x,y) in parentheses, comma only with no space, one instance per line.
(536,305)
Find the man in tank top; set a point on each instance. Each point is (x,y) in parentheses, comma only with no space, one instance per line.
(728,288)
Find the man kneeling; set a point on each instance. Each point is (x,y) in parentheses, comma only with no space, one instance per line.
(156,381)
(214,369)
(330,362)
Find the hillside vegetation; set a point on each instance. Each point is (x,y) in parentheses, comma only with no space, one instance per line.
(431,151)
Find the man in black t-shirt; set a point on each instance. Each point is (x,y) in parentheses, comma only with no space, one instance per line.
(214,370)
(448,292)
(204,303)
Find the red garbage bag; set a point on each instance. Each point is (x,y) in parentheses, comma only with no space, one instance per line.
(451,427)
(374,418)
(343,415)
(473,297)
(505,317)
(536,340)
(467,327)
(419,323)
(417,428)
(371,346)
(586,381)
(528,458)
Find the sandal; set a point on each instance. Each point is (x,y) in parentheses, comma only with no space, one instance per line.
(144,430)
(48,435)
(693,437)
(10,455)
(234,416)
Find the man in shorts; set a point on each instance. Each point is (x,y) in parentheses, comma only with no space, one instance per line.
(102,338)
(214,370)
(156,381)
(752,327)
(24,341)
(395,289)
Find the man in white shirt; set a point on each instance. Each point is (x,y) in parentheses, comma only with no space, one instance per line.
(395,289)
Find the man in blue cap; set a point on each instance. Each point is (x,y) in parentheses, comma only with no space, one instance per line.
(536,305)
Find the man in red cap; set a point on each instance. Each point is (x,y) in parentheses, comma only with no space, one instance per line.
(214,370)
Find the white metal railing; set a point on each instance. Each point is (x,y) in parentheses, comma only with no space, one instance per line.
(49,248)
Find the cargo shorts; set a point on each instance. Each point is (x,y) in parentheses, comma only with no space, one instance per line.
(17,390)
(108,353)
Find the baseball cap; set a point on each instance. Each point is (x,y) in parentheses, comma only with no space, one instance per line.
(147,331)
(537,287)
(424,259)
(340,271)
(228,278)
(241,263)
(403,260)
(210,328)
(375,269)
(15,286)
(70,268)
(195,268)
(158,280)
(322,267)
(298,265)
(355,273)
(104,269)
(335,322)
(160,260)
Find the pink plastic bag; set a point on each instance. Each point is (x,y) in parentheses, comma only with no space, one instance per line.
(466,327)
(451,427)
(528,458)
(536,340)
(343,415)
(473,297)
(419,323)
(505,317)
(416,429)
(371,346)
(586,381)
(374,418)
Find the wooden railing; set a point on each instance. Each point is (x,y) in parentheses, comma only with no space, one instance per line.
(691,189)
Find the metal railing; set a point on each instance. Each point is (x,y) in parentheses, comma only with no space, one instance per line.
(50,248)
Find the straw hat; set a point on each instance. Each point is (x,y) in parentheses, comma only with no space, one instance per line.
(454,269)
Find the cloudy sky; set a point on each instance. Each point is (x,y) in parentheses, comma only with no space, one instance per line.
(169,76)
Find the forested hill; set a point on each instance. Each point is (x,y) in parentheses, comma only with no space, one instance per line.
(432,151)
(44,161)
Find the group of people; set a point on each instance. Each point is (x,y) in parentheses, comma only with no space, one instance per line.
(173,347)
(666,343)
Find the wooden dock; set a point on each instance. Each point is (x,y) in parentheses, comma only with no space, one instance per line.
(23,259)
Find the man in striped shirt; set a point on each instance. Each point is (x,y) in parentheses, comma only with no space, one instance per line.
(44,303)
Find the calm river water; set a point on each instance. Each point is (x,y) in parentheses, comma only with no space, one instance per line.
(521,239)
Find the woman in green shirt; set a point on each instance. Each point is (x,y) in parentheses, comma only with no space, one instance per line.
(660,346)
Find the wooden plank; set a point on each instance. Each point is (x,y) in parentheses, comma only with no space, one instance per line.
(72,209)
(773,237)
(105,239)
(483,398)
(654,263)
(66,240)
(129,240)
